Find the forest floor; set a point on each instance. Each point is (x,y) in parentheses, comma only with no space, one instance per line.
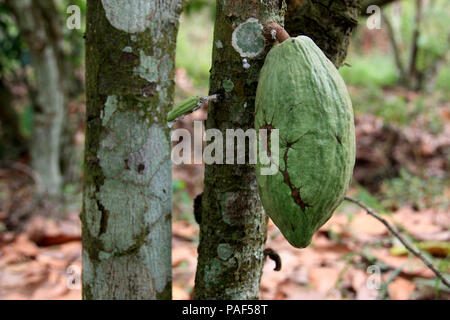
(352,257)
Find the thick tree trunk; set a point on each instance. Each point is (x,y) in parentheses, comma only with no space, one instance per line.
(328,22)
(233,223)
(126,218)
(43,41)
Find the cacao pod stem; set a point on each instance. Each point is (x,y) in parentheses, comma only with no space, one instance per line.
(273,31)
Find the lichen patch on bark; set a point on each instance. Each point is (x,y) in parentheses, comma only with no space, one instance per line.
(148,67)
(248,39)
(135,161)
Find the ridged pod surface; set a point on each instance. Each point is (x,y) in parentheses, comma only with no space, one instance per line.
(301,93)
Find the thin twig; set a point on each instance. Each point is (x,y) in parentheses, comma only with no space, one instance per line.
(403,240)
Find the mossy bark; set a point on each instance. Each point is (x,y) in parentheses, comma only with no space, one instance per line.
(233,223)
(328,22)
(126,217)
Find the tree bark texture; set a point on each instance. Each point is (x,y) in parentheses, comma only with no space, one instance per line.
(328,22)
(233,223)
(126,217)
(43,38)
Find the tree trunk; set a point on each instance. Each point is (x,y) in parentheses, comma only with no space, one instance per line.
(233,223)
(126,218)
(329,23)
(43,41)
(415,76)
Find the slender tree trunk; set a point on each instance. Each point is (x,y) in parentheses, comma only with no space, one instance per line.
(403,79)
(43,41)
(329,23)
(126,218)
(414,74)
(233,223)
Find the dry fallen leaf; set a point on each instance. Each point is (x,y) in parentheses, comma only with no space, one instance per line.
(47,232)
(401,289)
(364,223)
(412,266)
(414,222)
(323,279)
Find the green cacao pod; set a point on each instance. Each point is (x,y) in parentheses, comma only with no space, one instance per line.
(301,93)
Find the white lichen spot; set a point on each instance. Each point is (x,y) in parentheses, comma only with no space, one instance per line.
(273,33)
(104,255)
(224,251)
(130,15)
(110,108)
(133,38)
(128,49)
(148,67)
(165,69)
(245,64)
(219,44)
(228,85)
(248,38)
(245,105)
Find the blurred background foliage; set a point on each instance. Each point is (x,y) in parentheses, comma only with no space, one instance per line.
(12,47)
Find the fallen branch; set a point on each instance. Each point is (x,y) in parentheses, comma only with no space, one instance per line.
(403,240)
